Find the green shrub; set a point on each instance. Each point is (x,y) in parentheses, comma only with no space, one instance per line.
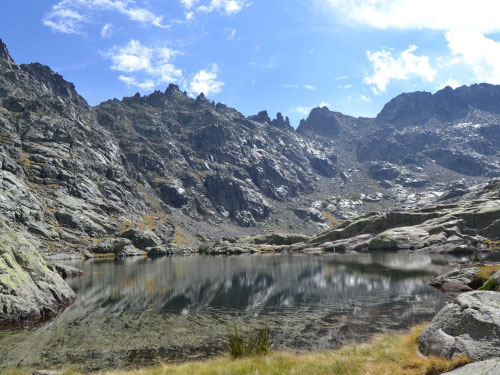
(491,284)
(255,344)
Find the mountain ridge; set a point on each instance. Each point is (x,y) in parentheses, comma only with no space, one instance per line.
(164,172)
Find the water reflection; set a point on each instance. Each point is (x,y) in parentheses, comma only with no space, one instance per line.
(135,311)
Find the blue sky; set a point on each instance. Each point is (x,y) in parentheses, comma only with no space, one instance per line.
(279,55)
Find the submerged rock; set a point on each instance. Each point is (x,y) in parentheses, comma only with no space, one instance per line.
(469,325)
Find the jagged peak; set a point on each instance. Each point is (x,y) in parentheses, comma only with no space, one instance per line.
(201,99)
(262,117)
(4,52)
(172,89)
(281,122)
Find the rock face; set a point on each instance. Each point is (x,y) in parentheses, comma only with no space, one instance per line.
(29,290)
(467,225)
(469,325)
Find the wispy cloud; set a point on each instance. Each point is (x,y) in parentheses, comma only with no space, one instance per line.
(224,7)
(205,81)
(296,86)
(306,110)
(341,78)
(106,31)
(70,16)
(64,20)
(153,63)
(231,34)
(388,68)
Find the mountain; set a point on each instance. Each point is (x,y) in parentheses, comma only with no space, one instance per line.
(165,172)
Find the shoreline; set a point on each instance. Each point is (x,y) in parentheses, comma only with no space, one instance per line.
(387,353)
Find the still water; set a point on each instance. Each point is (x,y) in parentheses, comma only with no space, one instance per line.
(141,311)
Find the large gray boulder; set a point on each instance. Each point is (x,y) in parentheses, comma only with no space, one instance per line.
(29,290)
(469,325)
(488,367)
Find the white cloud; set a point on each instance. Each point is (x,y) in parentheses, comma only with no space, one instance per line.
(131,81)
(189,3)
(224,6)
(388,67)
(152,62)
(295,86)
(478,51)
(206,82)
(231,34)
(64,20)
(365,99)
(341,78)
(480,15)
(67,15)
(346,86)
(465,23)
(306,110)
(452,83)
(107,30)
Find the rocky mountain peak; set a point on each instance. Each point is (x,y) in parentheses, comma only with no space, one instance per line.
(280,122)
(446,105)
(320,121)
(262,117)
(201,99)
(4,53)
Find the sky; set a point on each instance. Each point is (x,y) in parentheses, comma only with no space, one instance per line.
(284,56)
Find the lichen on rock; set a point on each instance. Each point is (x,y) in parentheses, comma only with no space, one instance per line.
(29,290)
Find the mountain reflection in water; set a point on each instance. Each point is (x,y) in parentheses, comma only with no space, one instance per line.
(139,310)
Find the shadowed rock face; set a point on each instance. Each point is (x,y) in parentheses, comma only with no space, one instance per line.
(320,121)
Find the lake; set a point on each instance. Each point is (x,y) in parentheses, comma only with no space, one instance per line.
(140,311)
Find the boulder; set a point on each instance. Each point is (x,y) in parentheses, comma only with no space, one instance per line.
(457,281)
(488,367)
(29,290)
(469,325)
(142,239)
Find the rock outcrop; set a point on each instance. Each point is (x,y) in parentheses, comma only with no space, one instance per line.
(469,325)
(29,290)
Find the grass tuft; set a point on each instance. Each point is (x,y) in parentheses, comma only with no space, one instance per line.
(256,344)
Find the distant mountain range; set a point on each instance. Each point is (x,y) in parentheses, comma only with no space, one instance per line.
(164,172)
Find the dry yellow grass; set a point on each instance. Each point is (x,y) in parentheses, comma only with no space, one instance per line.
(328,216)
(485,272)
(391,354)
